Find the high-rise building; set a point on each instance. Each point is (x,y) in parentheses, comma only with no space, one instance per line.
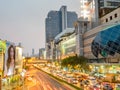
(106,6)
(52,25)
(71,17)
(41,53)
(57,21)
(83,10)
(63,11)
(89,12)
(92,10)
(33,52)
(67,18)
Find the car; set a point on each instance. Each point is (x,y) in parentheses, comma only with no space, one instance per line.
(107,87)
(94,88)
(63,77)
(68,78)
(73,81)
(84,83)
(97,87)
(27,75)
(92,82)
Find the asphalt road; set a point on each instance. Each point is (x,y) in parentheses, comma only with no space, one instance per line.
(42,81)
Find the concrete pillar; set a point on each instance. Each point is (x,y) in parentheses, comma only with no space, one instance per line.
(81,27)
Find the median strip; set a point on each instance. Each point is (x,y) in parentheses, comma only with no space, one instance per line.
(60,80)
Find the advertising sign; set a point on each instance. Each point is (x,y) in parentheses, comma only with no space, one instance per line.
(11,66)
(9,62)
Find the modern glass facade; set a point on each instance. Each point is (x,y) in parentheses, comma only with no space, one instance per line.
(57,21)
(68,46)
(52,25)
(107,42)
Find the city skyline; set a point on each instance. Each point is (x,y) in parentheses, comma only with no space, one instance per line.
(24,21)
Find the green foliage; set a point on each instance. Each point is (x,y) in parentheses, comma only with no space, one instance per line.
(75,61)
(26,67)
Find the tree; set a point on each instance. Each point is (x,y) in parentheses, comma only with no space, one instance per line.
(74,61)
(82,61)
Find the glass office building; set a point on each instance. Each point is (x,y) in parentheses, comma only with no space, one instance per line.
(107,42)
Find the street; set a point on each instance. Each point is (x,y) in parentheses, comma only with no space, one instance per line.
(41,81)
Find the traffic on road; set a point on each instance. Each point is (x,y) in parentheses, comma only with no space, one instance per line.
(81,80)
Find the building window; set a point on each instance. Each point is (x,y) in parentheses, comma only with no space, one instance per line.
(106,20)
(101,3)
(109,4)
(110,17)
(115,4)
(115,15)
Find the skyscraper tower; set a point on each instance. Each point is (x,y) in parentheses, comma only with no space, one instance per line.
(33,52)
(63,11)
(106,6)
(57,21)
(92,10)
(83,8)
(103,6)
(52,25)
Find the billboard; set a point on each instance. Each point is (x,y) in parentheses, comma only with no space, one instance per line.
(9,60)
(11,66)
(13,59)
